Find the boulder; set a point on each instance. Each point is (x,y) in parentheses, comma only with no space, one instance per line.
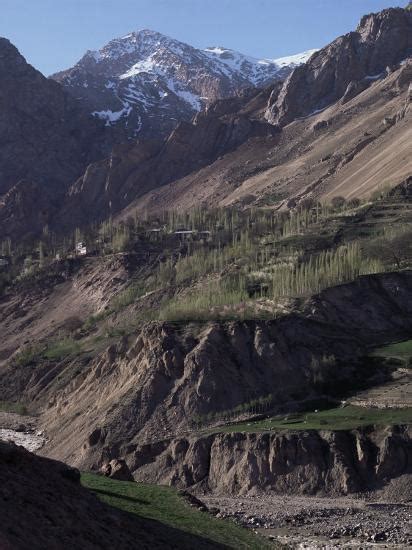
(117,469)
(320,125)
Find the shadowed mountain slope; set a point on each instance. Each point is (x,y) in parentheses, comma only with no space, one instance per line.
(46,140)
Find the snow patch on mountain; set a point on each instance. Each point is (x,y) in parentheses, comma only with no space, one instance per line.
(186,95)
(111,117)
(146,66)
(294,60)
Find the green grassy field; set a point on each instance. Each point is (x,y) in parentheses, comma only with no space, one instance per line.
(345,418)
(401,350)
(8,406)
(164,505)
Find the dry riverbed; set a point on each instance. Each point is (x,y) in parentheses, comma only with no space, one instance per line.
(22,430)
(321,523)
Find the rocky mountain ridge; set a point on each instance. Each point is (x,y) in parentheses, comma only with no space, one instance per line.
(148,82)
(47,138)
(346,67)
(231,154)
(355,111)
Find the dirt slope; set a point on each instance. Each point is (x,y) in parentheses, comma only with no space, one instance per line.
(67,294)
(350,149)
(44,506)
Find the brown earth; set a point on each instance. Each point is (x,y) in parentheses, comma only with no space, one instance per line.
(305,462)
(135,169)
(396,393)
(71,291)
(349,149)
(150,385)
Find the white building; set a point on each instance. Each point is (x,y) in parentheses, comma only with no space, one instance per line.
(81,249)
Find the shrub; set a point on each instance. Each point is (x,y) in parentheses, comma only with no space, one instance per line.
(92,321)
(27,356)
(128,296)
(61,349)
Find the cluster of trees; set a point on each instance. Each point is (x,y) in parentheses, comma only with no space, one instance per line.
(225,226)
(319,271)
(225,258)
(229,294)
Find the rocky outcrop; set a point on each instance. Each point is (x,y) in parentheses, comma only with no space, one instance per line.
(26,208)
(345,67)
(306,462)
(46,137)
(117,469)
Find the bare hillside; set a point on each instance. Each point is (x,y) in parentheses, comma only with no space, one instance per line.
(350,149)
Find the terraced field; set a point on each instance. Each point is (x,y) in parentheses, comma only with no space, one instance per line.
(341,418)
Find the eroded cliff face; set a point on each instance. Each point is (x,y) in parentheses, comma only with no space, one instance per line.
(306,462)
(150,388)
(154,387)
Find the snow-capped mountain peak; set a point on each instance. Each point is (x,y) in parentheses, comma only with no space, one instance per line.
(258,71)
(147,82)
(294,60)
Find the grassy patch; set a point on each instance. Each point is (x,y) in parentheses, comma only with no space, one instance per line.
(61,349)
(163,504)
(8,406)
(402,350)
(92,321)
(54,350)
(128,296)
(342,418)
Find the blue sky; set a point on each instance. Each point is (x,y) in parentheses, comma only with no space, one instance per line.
(54,34)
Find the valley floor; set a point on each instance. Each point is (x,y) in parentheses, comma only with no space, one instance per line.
(317,523)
